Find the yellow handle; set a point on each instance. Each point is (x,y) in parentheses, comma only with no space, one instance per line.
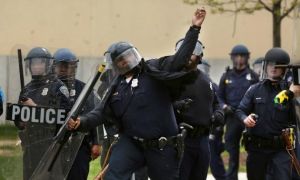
(101,68)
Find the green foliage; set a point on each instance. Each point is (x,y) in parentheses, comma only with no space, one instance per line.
(247,6)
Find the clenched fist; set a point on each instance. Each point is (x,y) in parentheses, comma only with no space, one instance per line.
(199,17)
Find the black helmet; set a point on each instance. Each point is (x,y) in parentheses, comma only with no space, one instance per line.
(65,66)
(239,49)
(40,62)
(64,55)
(278,56)
(123,51)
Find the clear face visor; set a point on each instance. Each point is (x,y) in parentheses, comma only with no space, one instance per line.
(39,66)
(198,51)
(257,68)
(66,70)
(127,61)
(271,72)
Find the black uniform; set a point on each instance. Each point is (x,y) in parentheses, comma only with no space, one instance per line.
(145,115)
(232,87)
(36,137)
(267,157)
(195,161)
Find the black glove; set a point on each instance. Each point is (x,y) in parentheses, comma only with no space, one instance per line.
(182,105)
(218,118)
(228,110)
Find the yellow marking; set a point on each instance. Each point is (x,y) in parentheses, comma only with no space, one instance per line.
(101,68)
(282,96)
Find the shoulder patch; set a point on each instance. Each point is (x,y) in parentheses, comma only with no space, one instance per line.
(248,77)
(65,91)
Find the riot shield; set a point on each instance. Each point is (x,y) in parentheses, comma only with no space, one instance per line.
(59,157)
(43,90)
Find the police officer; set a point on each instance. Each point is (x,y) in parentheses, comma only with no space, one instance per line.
(267,157)
(46,90)
(140,102)
(65,68)
(216,136)
(232,87)
(203,111)
(257,66)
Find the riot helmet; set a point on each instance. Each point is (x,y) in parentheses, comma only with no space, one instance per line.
(275,56)
(123,56)
(40,62)
(65,66)
(239,55)
(198,51)
(257,65)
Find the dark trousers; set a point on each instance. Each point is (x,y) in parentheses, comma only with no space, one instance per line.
(128,156)
(233,134)
(269,165)
(81,165)
(195,162)
(216,162)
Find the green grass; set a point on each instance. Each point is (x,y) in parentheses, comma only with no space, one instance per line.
(11,162)
(8,132)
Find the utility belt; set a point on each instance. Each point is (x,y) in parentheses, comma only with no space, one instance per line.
(159,143)
(197,131)
(274,143)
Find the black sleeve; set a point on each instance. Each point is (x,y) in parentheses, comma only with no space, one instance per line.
(221,91)
(92,119)
(181,57)
(246,105)
(217,109)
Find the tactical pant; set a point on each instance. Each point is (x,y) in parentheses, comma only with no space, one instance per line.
(269,165)
(195,162)
(127,157)
(233,134)
(216,162)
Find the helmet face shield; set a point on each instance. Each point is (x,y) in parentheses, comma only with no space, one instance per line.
(39,66)
(198,51)
(126,61)
(271,72)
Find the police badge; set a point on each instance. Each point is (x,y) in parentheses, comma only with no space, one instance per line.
(45,91)
(248,77)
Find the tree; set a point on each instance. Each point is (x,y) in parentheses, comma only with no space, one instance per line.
(279,9)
